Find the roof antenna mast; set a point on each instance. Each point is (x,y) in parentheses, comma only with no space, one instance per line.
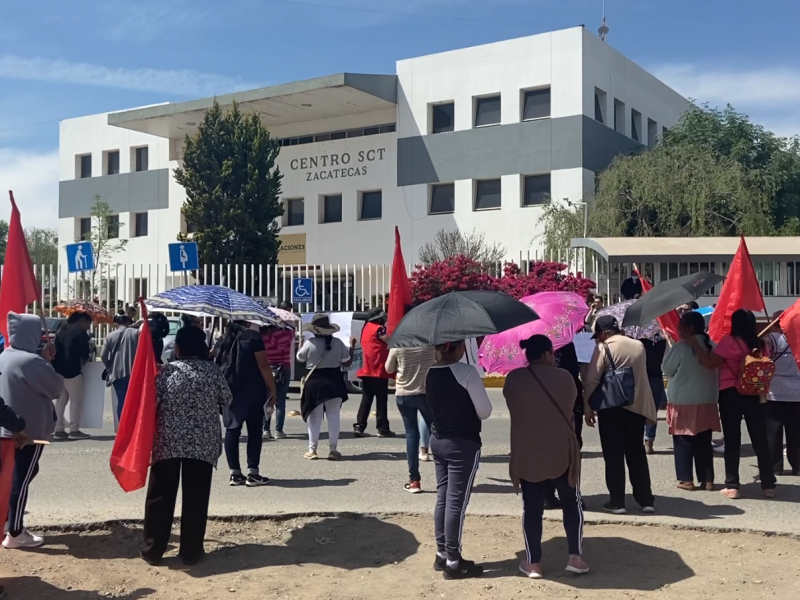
(603,29)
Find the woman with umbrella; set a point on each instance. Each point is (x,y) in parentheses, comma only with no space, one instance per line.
(458,403)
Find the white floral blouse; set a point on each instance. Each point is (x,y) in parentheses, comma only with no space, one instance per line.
(190,395)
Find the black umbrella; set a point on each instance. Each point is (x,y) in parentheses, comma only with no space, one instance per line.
(669,295)
(458,316)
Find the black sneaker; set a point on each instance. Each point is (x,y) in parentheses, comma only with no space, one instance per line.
(614,509)
(439,564)
(387,434)
(358,432)
(60,435)
(256,481)
(153,562)
(238,480)
(191,561)
(465,569)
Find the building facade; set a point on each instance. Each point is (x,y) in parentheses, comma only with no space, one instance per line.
(478,138)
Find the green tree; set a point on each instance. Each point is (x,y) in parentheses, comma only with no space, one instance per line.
(472,244)
(233,189)
(3,240)
(42,246)
(106,244)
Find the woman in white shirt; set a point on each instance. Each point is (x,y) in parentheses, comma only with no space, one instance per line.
(783,406)
(325,388)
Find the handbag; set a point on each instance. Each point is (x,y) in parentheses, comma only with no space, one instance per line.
(617,388)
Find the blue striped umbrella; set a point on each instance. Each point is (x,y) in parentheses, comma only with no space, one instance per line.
(213,300)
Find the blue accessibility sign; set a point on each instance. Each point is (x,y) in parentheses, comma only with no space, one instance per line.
(183,256)
(303,290)
(80,257)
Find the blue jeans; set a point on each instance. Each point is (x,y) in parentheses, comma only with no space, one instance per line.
(424,433)
(410,407)
(280,409)
(121,388)
(660,399)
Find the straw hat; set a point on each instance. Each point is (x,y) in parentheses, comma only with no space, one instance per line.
(321,325)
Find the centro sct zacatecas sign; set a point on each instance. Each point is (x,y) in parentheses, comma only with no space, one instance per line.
(337,166)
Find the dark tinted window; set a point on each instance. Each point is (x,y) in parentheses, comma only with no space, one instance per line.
(443,117)
(537,190)
(371,205)
(443,198)
(86,228)
(537,104)
(332,210)
(113,226)
(487,111)
(113,163)
(487,194)
(598,111)
(295,212)
(86,166)
(141,224)
(142,159)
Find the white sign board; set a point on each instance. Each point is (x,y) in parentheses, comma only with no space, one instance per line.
(584,346)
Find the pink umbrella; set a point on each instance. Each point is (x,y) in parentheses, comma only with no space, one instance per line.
(561,316)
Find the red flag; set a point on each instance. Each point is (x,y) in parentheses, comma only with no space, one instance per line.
(790,325)
(668,322)
(130,457)
(740,290)
(19,287)
(400,293)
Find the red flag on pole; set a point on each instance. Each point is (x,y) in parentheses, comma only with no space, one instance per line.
(400,291)
(740,290)
(790,325)
(133,446)
(18,287)
(668,322)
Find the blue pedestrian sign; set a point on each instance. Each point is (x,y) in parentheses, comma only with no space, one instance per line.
(183,256)
(80,257)
(303,290)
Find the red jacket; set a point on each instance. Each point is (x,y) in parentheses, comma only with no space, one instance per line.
(375,352)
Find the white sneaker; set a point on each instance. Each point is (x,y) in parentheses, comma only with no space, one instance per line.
(720,449)
(267,435)
(425,457)
(26,539)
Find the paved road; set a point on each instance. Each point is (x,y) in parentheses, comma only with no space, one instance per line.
(75,484)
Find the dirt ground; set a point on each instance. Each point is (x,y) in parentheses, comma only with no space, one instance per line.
(363,557)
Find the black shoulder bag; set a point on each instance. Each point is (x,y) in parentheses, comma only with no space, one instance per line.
(617,387)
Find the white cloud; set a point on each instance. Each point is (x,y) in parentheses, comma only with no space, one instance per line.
(183,82)
(144,20)
(772,87)
(33,177)
(770,96)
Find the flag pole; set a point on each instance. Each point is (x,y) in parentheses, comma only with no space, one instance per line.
(770,326)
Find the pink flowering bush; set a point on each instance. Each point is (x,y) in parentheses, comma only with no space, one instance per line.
(463,273)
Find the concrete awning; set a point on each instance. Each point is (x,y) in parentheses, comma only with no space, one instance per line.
(706,249)
(310,100)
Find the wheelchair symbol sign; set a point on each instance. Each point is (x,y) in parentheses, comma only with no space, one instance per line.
(302,290)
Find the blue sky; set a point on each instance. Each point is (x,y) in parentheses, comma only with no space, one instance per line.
(66,59)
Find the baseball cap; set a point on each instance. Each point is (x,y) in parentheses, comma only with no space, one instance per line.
(605,323)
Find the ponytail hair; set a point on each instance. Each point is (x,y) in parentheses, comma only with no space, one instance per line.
(536,346)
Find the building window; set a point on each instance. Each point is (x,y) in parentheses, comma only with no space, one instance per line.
(636,125)
(372,130)
(536,104)
(113,227)
(652,133)
(86,166)
(536,190)
(443,118)
(112,162)
(443,198)
(295,212)
(619,116)
(142,159)
(600,104)
(487,111)
(332,209)
(189,226)
(371,206)
(487,194)
(388,128)
(140,287)
(140,228)
(663,132)
(85,229)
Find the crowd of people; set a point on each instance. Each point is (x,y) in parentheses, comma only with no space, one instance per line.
(243,377)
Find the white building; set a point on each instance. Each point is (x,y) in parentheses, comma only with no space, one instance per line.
(476,138)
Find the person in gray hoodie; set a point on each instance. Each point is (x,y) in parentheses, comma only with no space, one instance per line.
(28,383)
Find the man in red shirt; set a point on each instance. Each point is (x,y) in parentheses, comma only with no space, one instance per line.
(373,375)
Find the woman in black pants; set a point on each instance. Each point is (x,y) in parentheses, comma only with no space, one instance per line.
(728,357)
(190,393)
(458,402)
